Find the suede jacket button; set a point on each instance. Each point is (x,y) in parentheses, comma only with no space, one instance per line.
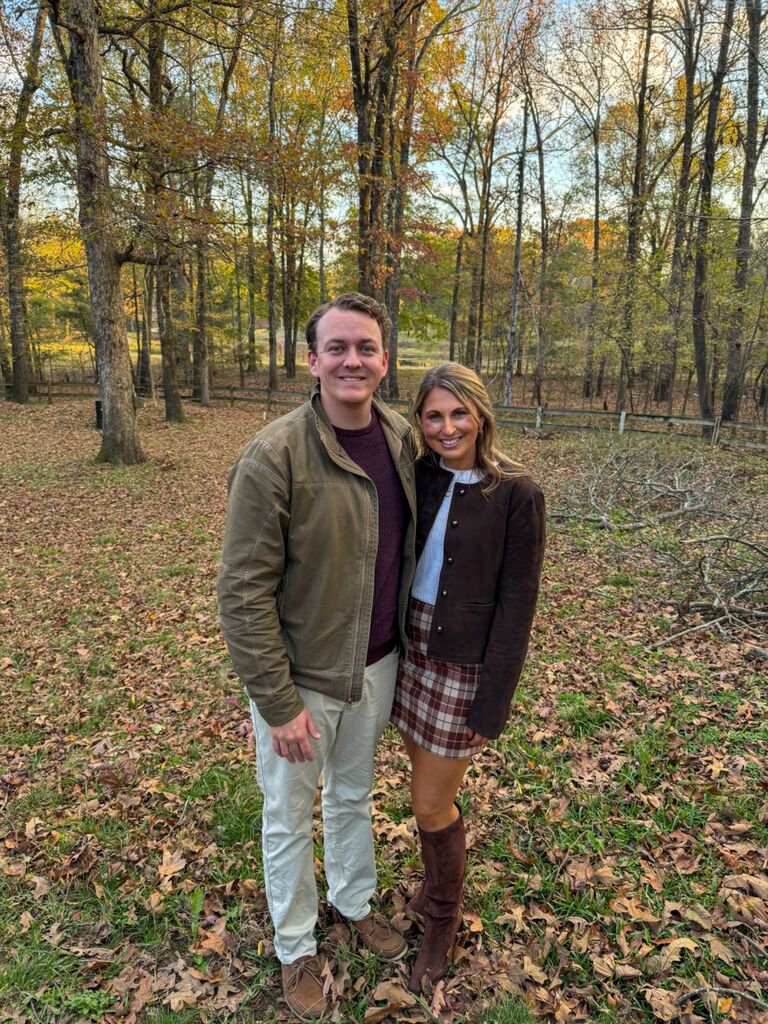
(449,560)
(463,490)
(454,522)
(444,593)
(439,629)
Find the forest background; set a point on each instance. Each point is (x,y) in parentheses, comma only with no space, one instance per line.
(566,196)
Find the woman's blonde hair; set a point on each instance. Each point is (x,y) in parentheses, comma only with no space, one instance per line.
(465,384)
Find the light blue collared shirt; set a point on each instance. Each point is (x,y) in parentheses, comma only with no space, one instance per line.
(427,577)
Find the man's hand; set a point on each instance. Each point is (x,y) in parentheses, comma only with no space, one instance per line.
(291,740)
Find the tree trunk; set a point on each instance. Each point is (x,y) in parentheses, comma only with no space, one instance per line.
(10,196)
(373,63)
(174,411)
(470,354)
(691,31)
(734,367)
(400,174)
(5,364)
(120,440)
(271,267)
(201,351)
(145,380)
(321,253)
(634,217)
(544,265)
(455,297)
(288,255)
(512,340)
(157,165)
(250,274)
(200,361)
(700,285)
(589,369)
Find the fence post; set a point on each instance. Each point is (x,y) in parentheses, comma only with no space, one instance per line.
(538,417)
(231,395)
(716,430)
(50,396)
(269,399)
(622,420)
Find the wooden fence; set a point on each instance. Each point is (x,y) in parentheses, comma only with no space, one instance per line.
(531,418)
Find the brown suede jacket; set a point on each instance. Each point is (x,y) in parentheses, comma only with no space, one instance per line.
(489,581)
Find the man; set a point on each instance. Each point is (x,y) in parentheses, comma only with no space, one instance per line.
(317,564)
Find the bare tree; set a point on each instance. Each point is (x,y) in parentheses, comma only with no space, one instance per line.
(10,195)
(635,211)
(80,46)
(160,198)
(700,287)
(686,32)
(753,148)
(512,339)
(229,54)
(584,79)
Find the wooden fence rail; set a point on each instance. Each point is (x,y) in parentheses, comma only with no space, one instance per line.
(534,418)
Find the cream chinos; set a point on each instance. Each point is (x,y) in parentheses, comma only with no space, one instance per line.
(344,757)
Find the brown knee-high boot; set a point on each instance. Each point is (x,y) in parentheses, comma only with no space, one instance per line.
(414,908)
(445,857)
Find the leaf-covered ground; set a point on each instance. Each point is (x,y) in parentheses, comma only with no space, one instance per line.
(618,831)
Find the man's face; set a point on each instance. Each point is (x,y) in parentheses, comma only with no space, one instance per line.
(350,362)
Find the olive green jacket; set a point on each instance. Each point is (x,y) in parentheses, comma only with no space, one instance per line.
(296,581)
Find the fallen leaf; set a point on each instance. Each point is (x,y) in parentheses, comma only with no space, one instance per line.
(756,885)
(718,949)
(530,970)
(699,915)
(604,965)
(213,940)
(16,869)
(662,1003)
(626,971)
(172,864)
(673,951)
(42,886)
(474,922)
(632,908)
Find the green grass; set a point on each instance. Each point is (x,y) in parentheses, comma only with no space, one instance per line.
(509,1010)
(583,716)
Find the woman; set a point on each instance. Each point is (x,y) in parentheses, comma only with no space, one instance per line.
(480,543)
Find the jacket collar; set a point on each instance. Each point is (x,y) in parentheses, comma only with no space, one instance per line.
(428,466)
(398,426)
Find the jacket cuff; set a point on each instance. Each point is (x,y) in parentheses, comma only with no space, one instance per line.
(486,724)
(280,711)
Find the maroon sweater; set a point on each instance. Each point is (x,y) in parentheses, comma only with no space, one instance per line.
(368,448)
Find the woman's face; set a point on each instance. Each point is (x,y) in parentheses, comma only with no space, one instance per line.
(450,428)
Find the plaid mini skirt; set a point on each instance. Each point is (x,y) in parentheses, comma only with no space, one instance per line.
(433,698)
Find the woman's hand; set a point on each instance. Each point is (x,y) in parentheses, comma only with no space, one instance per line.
(474,739)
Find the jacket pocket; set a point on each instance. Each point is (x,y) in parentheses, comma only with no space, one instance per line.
(474,620)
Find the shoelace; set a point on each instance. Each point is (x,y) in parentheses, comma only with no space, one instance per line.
(312,968)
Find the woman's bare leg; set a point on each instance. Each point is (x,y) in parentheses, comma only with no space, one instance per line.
(435,781)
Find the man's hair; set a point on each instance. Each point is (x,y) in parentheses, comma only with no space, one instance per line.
(358,303)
